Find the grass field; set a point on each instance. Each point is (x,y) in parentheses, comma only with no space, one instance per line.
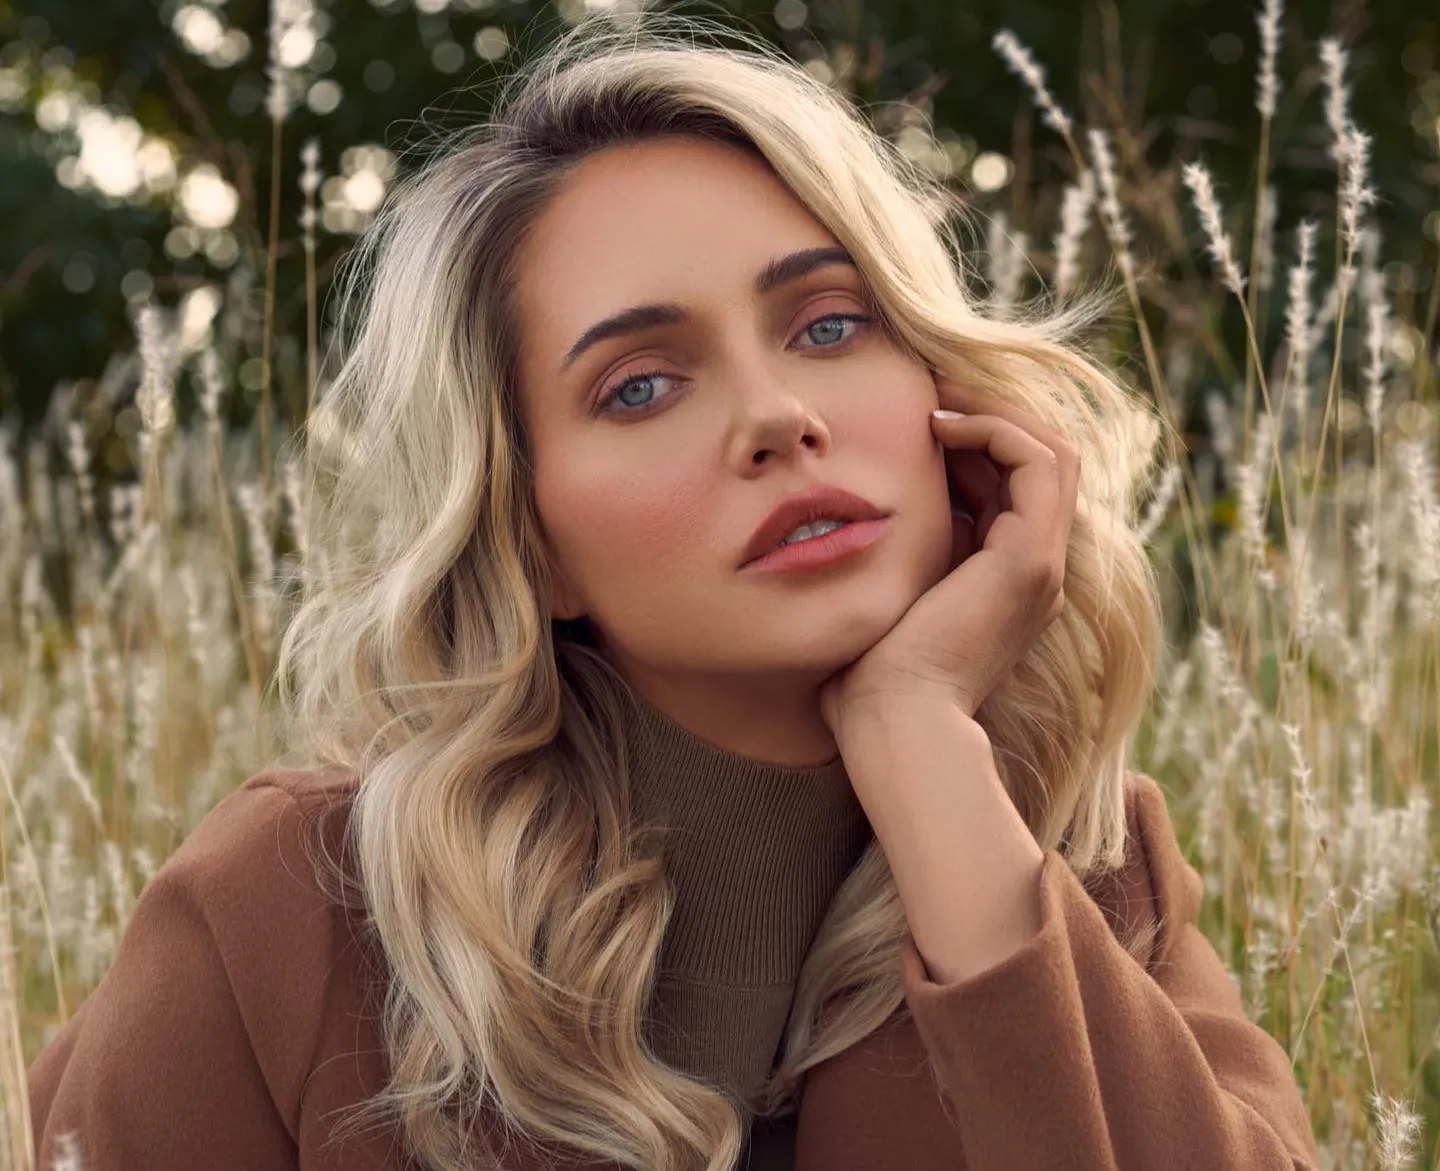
(1297,533)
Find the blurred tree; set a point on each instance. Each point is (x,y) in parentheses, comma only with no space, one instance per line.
(136,147)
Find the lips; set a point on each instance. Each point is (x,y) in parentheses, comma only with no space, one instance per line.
(822,502)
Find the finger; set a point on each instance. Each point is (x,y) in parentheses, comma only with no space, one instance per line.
(977,485)
(1035,480)
(961,396)
(970,400)
(974,478)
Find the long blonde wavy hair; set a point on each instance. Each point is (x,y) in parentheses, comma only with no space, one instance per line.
(520,909)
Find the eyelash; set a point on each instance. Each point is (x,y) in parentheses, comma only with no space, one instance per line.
(604,406)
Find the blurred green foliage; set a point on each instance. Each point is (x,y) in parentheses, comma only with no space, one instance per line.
(71,257)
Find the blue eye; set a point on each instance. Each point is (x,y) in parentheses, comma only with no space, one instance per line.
(611,400)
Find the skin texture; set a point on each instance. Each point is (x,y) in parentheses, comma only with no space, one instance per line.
(647,508)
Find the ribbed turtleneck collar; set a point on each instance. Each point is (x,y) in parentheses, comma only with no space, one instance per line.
(755,851)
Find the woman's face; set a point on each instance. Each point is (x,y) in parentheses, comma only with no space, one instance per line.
(648,498)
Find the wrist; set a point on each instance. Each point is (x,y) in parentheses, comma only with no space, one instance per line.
(921,766)
(878,719)
(964,863)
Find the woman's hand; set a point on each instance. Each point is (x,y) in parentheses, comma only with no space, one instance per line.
(1018,479)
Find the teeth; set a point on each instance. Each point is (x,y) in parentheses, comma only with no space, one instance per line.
(817,528)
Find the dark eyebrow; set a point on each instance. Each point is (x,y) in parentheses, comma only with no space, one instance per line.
(779,271)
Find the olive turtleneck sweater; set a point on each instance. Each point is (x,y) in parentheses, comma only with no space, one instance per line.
(755,851)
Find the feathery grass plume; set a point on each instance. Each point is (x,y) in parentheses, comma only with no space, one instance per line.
(1265,255)
(1273,810)
(1197,178)
(117,524)
(1074,219)
(1222,427)
(197,627)
(41,487)
(212,389)
(290,483)
(255,507)
(145,865)
(1299,313)
(82,784)
(1252,478)
(1005,254)
(1228,684)
(1330,306)
(89,676)
(1112,214)
(78,457)
(1399,1129)
(1313,815)
(1355,192)
(1023,64)
(1267,20)
(1260,959)
(122,896)
(1372,280)
(155,397)
(1333,60)
(1171,711)
(1422,503)
(1377,333)
(1402,838)
(1307,601)
(1159,504)
(140,761)
(1370,697)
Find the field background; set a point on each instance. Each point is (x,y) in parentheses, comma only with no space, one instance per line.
(1261,188)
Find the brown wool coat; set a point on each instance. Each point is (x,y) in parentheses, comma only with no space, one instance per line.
(235,1019)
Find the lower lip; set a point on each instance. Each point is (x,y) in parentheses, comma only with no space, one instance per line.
(821,552)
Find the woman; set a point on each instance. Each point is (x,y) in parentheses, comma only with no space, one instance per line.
(642,843)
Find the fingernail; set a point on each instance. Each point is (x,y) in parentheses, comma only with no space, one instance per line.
(943,414)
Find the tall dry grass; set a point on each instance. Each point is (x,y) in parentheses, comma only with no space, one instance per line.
(1295,728)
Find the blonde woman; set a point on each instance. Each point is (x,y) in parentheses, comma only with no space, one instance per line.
(621,833)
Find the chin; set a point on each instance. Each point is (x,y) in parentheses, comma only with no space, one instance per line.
(830,642)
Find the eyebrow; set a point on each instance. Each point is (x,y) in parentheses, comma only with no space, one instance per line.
(779,271)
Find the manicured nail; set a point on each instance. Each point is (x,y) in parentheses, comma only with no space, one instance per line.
(943,414)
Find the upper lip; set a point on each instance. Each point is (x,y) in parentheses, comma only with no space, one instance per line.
(821,502)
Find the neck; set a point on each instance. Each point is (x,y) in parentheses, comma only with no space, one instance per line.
(773,719)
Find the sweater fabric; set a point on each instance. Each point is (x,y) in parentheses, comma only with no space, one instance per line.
(241,1012)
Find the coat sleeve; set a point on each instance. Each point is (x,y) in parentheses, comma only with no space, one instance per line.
(158,1067)
(1071,1053)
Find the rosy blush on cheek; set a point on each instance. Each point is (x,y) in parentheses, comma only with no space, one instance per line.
(670,520)
(648,514)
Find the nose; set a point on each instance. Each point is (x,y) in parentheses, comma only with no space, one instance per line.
(772,418)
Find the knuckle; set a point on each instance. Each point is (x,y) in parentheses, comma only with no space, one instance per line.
(1045,576)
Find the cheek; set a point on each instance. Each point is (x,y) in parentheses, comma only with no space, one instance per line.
(895,432)
(614,523)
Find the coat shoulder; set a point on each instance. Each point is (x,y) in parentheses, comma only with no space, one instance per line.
(1154,882)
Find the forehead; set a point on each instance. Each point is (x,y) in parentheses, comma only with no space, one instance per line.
(665,219)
